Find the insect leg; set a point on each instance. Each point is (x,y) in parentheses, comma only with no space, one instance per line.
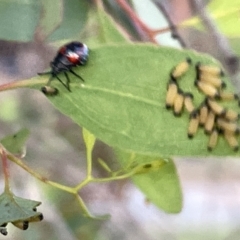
(68,81)
(71,71)
(65,85)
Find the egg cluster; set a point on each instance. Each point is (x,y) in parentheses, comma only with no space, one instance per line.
(22,224)
(210,114)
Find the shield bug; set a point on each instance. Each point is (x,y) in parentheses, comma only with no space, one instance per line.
(68,56)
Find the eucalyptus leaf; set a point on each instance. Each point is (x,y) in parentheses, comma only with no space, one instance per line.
(89,140)
(13,208)
(122,101)
(15,143)
(107,30)
(73,19)
(160,185)
(224,14)
(48,21)
(18,19)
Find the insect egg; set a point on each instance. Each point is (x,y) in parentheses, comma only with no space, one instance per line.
(178,104)
(207,89)
(209,122)
(228,96)
(215,107)
(227,126)
(49,91)
(3,231)
(193,124)
(23,225)
(203,113)
(36,218)
(181,69)
(213,140)
(171,94)
(231,115)
(40,217)
(188,102)
(210,70)
(214,81)
(232,140)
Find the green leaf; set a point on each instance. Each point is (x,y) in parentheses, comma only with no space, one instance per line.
(60,19)
(14,209)
(73,20)
(160,185)
(9,109)
(15,143)
(49,21)
(226,16)
(101,28)
(89,140)
(18,19)
(109,31)
(122,101)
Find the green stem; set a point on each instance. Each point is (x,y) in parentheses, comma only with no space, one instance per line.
(21,84)
(89,163)
(62,187)
(87,180)
(84,207)
(127,175)
(20,163)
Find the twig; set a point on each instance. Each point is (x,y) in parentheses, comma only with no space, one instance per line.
(5,170)
(136,20)
(171,24)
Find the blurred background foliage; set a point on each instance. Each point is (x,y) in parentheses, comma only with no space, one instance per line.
(30,33)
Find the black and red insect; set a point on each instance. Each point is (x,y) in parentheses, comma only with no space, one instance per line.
(68,56)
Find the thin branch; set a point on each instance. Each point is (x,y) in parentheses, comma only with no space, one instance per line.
(41,34)
(5,170)
(136,20)
(20,163)
(171,24)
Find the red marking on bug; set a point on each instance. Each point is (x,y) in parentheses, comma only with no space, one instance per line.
(62,50)
(73,57)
